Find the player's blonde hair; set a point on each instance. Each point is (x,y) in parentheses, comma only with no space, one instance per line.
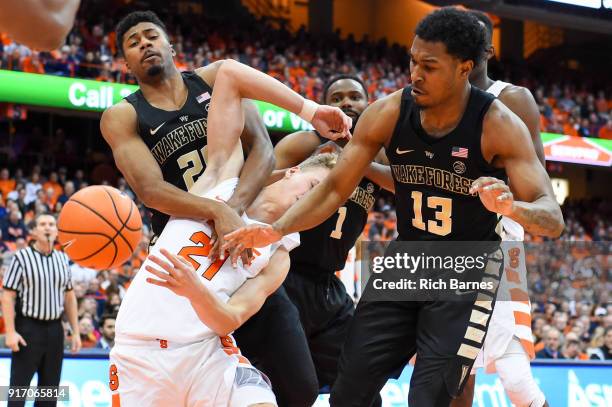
(326,160)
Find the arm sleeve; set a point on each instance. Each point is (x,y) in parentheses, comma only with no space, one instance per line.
(14,275)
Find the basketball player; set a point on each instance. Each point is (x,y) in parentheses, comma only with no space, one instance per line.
(164,125)
(304,323)
(173,345)
(426,128)
(39,24)
(508,346)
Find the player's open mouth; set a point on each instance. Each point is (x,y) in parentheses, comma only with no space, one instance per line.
(417,92)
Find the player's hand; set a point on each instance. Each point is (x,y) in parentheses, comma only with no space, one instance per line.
(494,194)
(13,340)
(75,343)
(251,236)
(226,221)
(332,123)
(176,274)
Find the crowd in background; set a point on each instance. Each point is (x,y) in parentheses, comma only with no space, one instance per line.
(300,61)
(570,279)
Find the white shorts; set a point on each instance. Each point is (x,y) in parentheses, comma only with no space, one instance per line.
(211,373)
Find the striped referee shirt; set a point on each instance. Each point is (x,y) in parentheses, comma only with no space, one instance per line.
(40,281)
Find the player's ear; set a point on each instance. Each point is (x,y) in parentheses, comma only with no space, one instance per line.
(291,172)
(490,52)
(465,68)
(172,51)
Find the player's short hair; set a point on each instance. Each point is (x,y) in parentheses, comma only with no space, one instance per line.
(326,160)
(486,21)
(458,30)
(337,78)
(131,20)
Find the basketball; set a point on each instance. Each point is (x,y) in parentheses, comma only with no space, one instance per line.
(99,227)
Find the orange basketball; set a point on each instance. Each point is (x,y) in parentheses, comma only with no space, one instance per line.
(99,227)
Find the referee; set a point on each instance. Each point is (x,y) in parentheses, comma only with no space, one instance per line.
(36,287)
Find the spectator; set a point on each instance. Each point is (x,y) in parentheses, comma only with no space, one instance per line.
(605,132)
(571,347)
(6,183)
(14,228)
(68,191)
(32,187)
(88,337)
(107,329)
(605,351)
(553,340)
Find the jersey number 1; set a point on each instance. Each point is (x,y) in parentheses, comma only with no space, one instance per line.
(443,224)
(201,238)
(337,232)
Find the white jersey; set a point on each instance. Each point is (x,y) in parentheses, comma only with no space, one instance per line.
(149,312)
(512,314)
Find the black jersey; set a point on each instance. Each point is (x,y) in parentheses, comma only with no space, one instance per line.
(432,176)
(176,139)
(325,247)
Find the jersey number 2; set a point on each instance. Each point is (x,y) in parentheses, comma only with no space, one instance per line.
(187,252)
(443,224)
(193,162)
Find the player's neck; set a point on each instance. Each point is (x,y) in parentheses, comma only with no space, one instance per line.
(482,81)
(439,120)
(167,89)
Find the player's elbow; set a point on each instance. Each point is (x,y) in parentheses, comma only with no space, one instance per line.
(559,226)
(148,193)
(56,31)
(229,68)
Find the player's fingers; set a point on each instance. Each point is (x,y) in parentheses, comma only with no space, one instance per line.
(159,274)
(22,341)
(480,183)
(506,196)
(161,263)
(157,282)
(175,260)
(498,186)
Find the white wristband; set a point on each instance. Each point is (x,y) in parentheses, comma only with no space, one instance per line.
(309,108)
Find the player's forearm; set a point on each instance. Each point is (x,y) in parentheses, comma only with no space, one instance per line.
(214,313)
(312,210)
(8,311)
(381,174)
(256,169)
(173,201)
(542,217)
(252,84)
(70,306)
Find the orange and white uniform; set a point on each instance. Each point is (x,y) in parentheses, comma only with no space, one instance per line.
(508,347)
(164,355)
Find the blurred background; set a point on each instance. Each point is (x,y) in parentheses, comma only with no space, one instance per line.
(51,146)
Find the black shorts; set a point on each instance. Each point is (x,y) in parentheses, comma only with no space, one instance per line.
(297,336)
(384,335)
(325,310)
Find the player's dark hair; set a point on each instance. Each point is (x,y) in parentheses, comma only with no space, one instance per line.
(488,24)
(131,20)
(337,78)
(458,30)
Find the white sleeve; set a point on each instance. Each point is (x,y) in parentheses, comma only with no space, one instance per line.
(289,242)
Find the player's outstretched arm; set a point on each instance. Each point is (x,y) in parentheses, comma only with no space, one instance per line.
(178,275)
(40,24)
(260,159)
(373,130)
(118,126)
(234,81)
(533,205)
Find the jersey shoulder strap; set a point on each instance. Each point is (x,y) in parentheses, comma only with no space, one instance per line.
(497,88)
